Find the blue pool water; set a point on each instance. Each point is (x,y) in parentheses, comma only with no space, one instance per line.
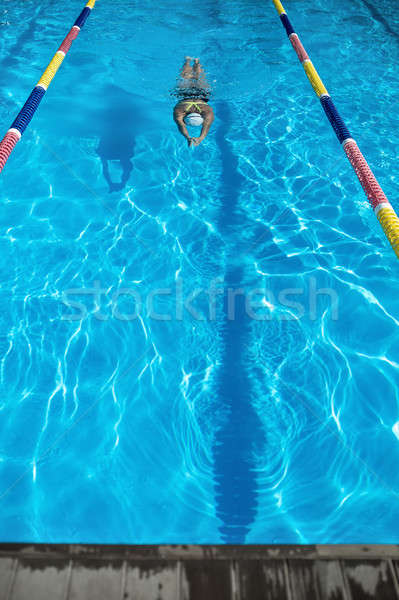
(142,401)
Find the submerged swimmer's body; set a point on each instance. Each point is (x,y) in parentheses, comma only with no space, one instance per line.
(193,108)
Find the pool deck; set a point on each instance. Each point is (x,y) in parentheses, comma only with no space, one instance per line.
(74,572)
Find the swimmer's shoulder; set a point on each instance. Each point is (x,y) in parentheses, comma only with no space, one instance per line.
(182,107)
(179,108)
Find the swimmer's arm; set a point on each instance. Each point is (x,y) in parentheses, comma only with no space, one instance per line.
(178,117)
(208,120)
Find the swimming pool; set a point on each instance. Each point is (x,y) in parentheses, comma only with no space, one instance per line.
(209,354)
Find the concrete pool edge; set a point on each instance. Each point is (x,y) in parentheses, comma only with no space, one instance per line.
(195,572)
(202,551)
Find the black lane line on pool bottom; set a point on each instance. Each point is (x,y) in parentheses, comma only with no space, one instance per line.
(377,16)
(233,451)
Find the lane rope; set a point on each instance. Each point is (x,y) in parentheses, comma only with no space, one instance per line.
(382,208)
(25,115)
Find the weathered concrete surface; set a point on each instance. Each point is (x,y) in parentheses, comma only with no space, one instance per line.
(88,572)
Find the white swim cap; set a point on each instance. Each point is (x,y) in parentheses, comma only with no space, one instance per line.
(193,119)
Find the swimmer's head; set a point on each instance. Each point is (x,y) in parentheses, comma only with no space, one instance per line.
(194,120)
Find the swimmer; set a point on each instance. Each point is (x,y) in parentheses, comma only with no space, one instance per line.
(193,109)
